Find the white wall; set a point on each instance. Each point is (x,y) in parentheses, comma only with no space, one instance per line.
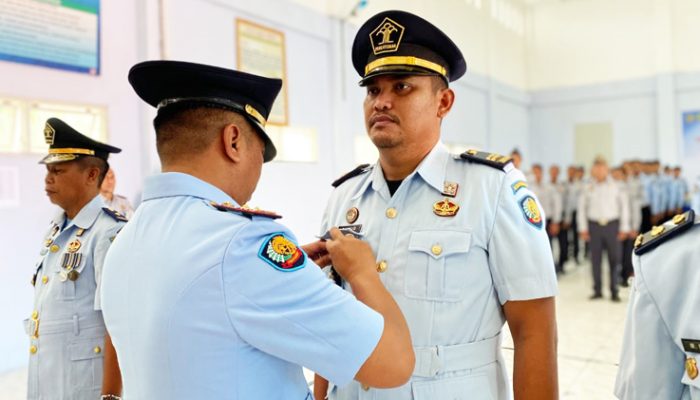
(573,43)
(22,228)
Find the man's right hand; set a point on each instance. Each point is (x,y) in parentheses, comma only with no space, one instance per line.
(585,236)
(351,257)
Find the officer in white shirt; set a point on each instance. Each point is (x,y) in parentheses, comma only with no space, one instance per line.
(459,239)
(113,200)
(661,343)
(207,299)
(552,205)
(603,219)
(626,270)
(570,223)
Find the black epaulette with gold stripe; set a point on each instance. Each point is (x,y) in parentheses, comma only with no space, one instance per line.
(115,214)
(361,169)
(245,211)
(491,159)
(668,230)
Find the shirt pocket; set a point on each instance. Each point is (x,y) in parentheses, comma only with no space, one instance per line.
(471,387)
(86,358)
(436,265)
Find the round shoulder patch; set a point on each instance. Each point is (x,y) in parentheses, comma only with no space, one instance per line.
(281,253)
(531,211)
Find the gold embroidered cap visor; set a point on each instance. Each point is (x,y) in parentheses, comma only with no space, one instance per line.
(401,43)
(174,86)
(67,144)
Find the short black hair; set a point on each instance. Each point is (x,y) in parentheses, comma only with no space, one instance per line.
(86,162)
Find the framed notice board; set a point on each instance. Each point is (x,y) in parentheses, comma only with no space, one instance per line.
(260,50)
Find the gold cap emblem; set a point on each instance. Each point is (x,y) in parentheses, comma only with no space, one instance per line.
(386,38)
(49,134)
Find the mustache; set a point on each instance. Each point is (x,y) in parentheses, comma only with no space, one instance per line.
(378,116)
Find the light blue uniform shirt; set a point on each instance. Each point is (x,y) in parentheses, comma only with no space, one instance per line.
(450,275)
(66,330)
(195,312)
(663,309)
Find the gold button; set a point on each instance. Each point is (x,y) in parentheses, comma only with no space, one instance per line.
(32,349)
(54,248)
(657,230)
(35,314)
(679,218)
(382,266)
(44,279)
(391,213)
(365,387)
(97,350)
(436,249)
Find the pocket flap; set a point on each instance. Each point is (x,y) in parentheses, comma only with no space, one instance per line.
(86,349)
(440,243)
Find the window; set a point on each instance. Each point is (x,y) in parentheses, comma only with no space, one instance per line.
(22,123)
(294,144)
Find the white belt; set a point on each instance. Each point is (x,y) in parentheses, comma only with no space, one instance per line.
(433,360)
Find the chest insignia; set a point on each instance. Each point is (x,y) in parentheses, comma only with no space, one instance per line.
(531,211)
(445,208)
(352,214)
(450,189)
(281,253)
(74,246)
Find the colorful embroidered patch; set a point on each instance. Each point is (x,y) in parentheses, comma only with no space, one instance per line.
(282,253)
(531,211)
(517,185)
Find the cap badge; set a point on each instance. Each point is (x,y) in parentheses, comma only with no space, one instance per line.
(49,134)
(386,37)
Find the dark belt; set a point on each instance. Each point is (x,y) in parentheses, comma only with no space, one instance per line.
(603,222)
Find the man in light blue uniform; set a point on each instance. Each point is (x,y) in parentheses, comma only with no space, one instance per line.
(206,299)
(459,239)
(68,347)
(661,345)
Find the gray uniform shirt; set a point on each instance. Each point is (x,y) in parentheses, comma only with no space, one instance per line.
(66,331)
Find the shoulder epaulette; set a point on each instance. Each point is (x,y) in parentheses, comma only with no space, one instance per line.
(491,159)
(115,214)
(361,169)
(649,241)
(245,211)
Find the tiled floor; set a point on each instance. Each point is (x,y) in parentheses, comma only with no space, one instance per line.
(590,334)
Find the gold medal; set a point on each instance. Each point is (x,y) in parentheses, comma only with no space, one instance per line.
(450,189)
(445,208)
(74,246)
(73,275)
(691,368)
(352,214)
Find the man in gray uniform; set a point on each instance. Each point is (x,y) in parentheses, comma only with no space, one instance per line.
(661,344)
(69,347)
(459,239)
(603,219)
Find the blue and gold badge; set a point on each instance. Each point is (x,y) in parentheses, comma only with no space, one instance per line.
(517,185)
(282,253)
(531,211)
